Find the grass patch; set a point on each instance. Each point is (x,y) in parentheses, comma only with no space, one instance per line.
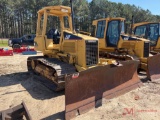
(3,42)
(3,45)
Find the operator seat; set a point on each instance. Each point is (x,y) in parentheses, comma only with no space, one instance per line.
(54,34)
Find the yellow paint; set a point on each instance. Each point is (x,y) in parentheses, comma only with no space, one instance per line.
(134,47)
(157,46)
(71,51)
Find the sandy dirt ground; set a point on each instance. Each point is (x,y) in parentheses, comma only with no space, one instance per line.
(17,85)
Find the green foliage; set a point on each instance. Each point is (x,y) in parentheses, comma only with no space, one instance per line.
(18,17)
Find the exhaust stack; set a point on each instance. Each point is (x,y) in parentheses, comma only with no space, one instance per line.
(72,15)
(132,22)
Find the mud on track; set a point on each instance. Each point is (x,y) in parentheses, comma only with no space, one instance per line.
(16,84)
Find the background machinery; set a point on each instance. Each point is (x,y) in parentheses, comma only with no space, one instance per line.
(150,31)
(71,60)
(114,43)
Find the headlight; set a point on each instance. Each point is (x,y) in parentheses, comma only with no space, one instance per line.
(153,42)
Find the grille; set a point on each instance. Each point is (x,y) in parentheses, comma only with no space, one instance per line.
(91,53)
(146,49)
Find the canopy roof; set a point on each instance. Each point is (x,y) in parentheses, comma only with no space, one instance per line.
(144,23)
(56,10)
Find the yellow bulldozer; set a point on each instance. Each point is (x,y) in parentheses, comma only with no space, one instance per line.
(150,31)
(71,61)
(115,44)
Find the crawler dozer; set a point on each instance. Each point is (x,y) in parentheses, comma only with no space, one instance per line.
(115,44)
(71,61)
(150,31)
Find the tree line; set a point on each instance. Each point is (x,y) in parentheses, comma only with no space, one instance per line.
(19,17)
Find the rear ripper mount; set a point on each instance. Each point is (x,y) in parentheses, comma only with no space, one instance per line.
(85,90)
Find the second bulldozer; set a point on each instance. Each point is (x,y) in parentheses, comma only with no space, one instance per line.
(71,60)
(114,43)
(150,31)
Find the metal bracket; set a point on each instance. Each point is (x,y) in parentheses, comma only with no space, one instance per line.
(16,113)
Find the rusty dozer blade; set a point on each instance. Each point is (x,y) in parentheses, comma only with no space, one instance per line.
(153,71)
(86,89)
(18,112)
